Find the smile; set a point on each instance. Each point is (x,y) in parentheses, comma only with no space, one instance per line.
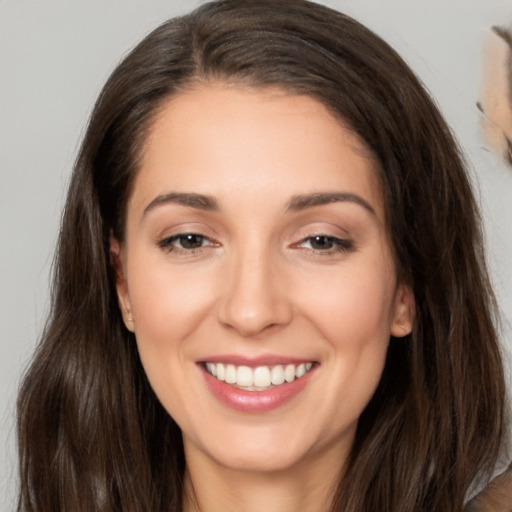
(261,378)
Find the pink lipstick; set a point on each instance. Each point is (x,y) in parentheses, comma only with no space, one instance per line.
(258,384)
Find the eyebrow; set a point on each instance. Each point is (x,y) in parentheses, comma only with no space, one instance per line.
(192,200)
(296,203)
(302,202)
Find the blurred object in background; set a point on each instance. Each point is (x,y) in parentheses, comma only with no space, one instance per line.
(496,95)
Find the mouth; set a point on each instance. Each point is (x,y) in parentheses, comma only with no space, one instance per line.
(256,384)
(259,378)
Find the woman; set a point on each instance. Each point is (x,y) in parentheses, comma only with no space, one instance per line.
(270,291)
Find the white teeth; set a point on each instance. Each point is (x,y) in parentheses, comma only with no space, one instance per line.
(289,373)
(277,375)
(212,368)
(260,378)
(244,376)
(230,374)
(221,372)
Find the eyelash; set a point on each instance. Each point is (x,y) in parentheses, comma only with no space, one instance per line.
(168,243)
(336,245)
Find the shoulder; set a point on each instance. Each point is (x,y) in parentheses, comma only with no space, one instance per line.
(496,497)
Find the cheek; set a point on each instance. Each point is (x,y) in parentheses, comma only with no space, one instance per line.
(352,312)
(351,306)
(168,305)
(167,300)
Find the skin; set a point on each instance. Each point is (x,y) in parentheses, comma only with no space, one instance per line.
(258,285)
(496,497)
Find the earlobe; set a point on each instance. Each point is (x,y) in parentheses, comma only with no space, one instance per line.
(123,296)
(403,314)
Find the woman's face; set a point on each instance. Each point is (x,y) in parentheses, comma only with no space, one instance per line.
(256,250)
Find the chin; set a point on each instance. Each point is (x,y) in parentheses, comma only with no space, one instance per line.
(255,460)
(270,448)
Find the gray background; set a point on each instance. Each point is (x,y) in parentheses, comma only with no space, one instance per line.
(55,56)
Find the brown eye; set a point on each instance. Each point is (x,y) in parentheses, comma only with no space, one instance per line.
(191,241)
(185,242)
(321,243)
(326,244)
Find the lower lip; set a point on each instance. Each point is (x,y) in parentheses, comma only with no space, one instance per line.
(255,401)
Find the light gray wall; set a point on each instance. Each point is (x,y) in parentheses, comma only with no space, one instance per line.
(55,56)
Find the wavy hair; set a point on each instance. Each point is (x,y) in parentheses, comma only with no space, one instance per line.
(92,435)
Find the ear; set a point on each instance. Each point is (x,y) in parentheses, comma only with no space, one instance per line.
(123,295)
(403,311)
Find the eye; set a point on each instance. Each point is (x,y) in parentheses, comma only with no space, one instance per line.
(185,242)
(326,244)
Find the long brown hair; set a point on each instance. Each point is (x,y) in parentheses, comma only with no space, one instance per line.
(92,435)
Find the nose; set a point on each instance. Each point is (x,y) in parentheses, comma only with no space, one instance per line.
(255,298)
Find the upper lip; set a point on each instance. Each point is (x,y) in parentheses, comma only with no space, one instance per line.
(253,362)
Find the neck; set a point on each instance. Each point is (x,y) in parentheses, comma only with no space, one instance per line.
(308,487)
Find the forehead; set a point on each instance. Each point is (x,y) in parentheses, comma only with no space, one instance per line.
(219,139)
